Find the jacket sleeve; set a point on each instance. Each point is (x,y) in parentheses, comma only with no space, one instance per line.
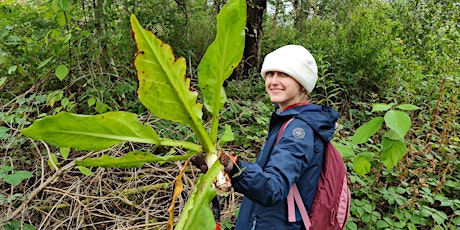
(289,158)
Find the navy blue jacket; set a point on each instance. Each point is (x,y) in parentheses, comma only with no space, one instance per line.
(297,158)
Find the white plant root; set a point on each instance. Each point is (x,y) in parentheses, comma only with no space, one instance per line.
(222,182)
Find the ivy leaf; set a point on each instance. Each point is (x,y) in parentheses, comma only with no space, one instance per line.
(362,163)
(163,87)
(91,132)
(364,132)
(398,121)
(222,57)
(393,151)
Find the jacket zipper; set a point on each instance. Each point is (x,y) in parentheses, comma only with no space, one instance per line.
(254,223)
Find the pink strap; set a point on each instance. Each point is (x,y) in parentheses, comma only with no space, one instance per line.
(294,194)
(282,130)
(291,207)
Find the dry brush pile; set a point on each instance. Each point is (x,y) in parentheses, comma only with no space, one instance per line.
(109,199)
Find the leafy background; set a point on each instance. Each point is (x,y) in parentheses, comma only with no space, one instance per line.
(69,56)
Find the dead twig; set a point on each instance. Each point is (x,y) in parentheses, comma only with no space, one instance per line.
(35,192)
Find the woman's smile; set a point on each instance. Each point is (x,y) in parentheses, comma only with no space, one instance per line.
(282,88)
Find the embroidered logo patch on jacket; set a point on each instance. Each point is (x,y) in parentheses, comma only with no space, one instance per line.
(298,133)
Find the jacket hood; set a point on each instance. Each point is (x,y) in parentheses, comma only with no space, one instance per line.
(321,119)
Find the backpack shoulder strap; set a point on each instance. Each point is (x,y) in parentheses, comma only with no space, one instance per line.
(280,133)
(294,195)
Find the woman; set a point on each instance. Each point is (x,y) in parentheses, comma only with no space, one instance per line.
(290,74)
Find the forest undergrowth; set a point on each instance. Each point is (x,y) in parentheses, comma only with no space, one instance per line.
(53,59)
(63,197)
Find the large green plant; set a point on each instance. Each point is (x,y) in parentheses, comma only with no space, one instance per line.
(165,91)
(393,146)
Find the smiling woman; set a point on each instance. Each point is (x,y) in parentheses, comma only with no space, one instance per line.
(283,89)
(290,74)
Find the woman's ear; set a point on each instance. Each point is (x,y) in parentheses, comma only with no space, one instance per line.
(304,91)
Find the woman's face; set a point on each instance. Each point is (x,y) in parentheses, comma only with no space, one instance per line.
(282,89)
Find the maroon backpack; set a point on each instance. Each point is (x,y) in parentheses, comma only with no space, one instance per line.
(331,206)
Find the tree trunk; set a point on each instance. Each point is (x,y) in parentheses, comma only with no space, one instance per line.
(251,55)
(98,8)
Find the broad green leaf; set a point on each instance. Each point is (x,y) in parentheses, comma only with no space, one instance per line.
(221,57)
(91,132)
(84,170)
(344,150)
(2,80)
(53,162)
(61,72)
(62,18)
(65,101)
(16,177)
(64,4)
(391,134)
(6,168)
(439,216)
(12,69)
(362,163)
(399,225)
(398,121)
(393,151)
(163,87)
(456,220)
(378,107)
(197,214)
(382,224)
(227,136)
(133,159)
(56,6)
(364,132)
(29,227)
(64,151)
(3,131)
(408,107)
(411,226)
(91,101)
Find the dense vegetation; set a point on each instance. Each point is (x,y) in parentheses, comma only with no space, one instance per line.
(75,56)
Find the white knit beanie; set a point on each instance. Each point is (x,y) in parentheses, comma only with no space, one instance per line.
(295,61)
